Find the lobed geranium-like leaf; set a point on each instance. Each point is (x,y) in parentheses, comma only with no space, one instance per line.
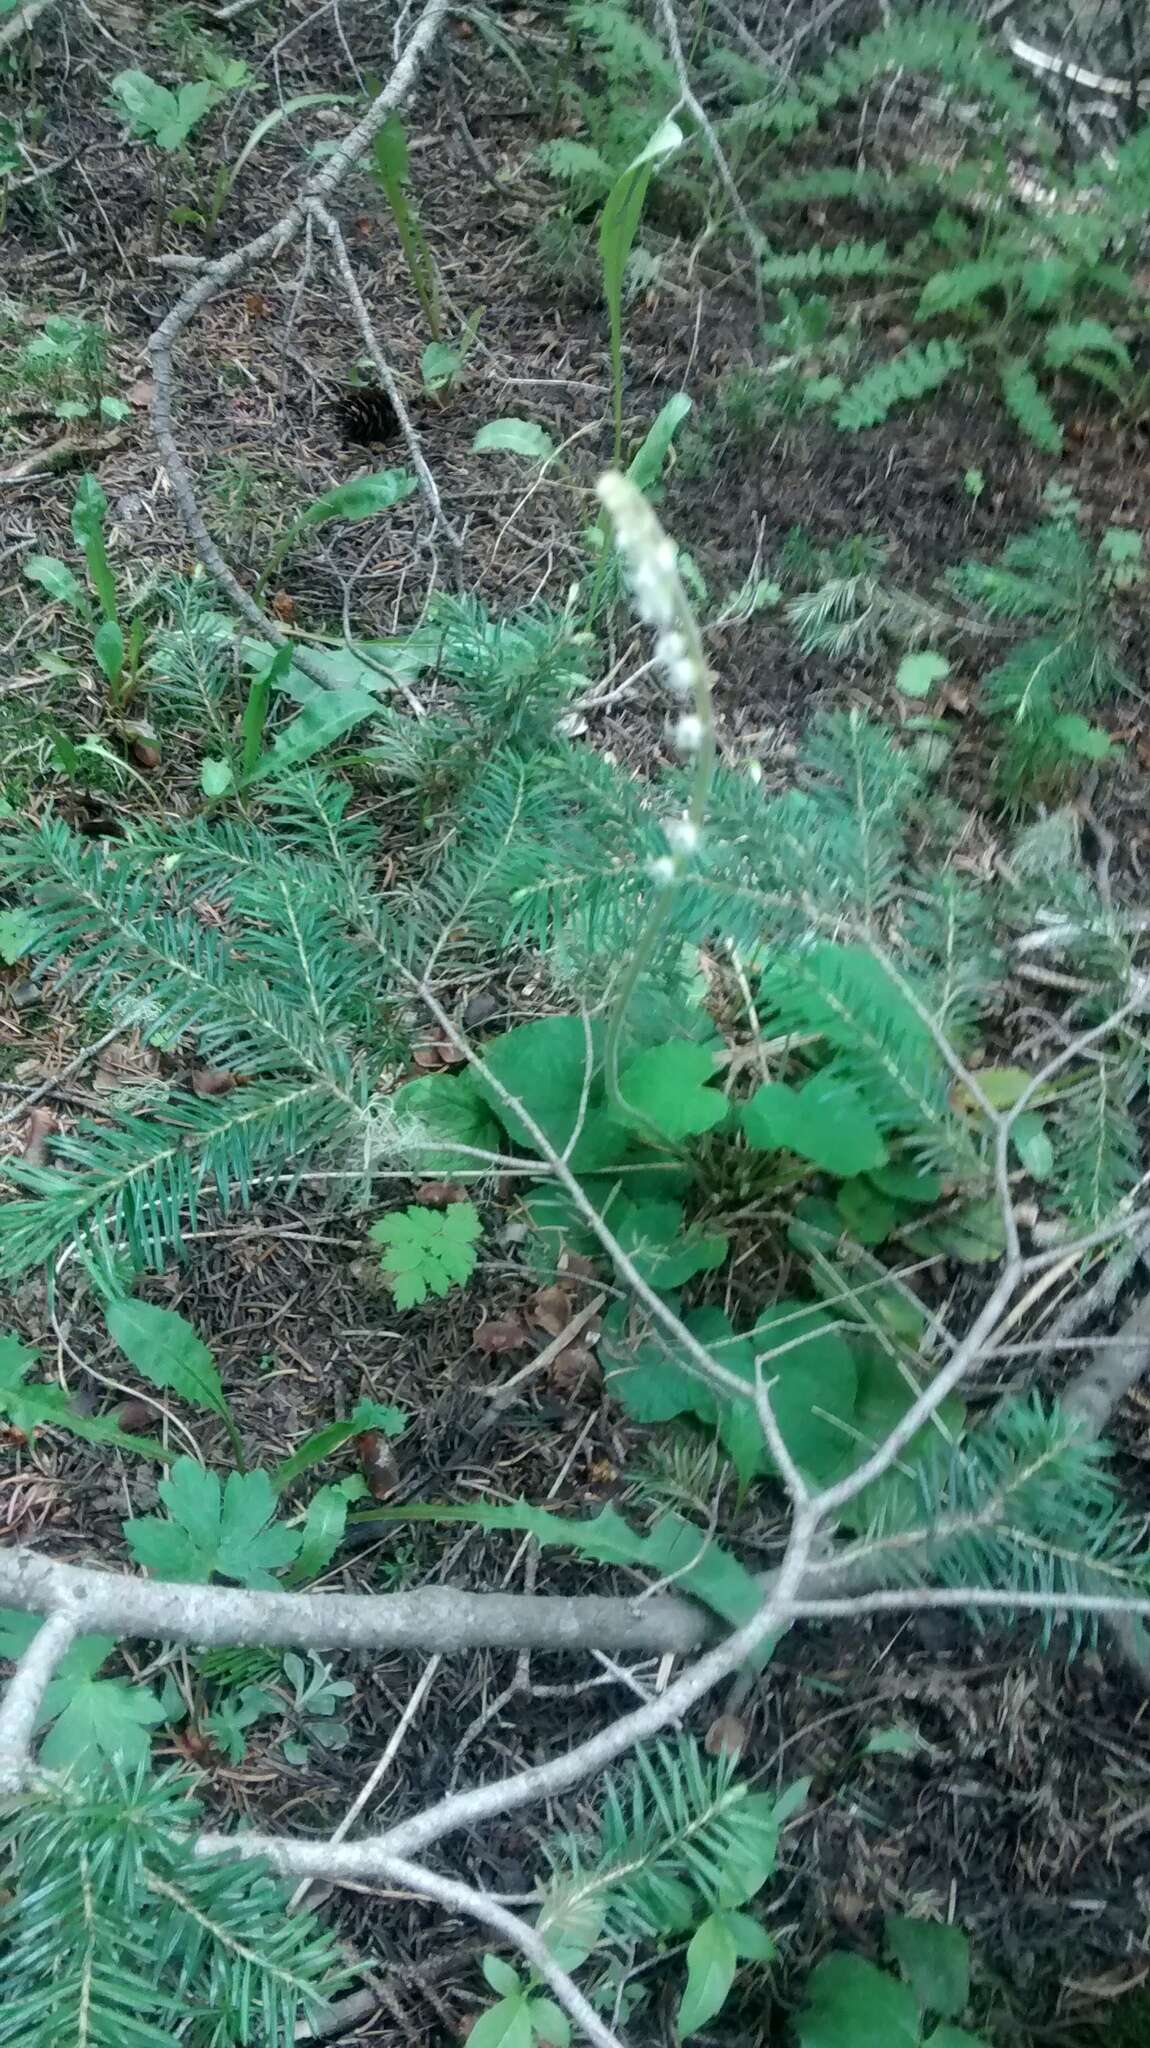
(427,1251)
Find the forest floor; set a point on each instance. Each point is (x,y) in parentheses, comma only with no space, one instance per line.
(1014,1795)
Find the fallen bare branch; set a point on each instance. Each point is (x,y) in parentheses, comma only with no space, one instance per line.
(436,1618)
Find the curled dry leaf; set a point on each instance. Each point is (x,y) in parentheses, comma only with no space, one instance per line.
(502,1333)
(283,606)
(726,1736)
(439,1194)
(208,1081)
(575,1369)
(550,1309)
(134,1415)
(427,1058)
(37,1131)
(377,1463)
(578,1265)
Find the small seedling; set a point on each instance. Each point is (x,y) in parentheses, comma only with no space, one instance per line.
(164,119)
(393,172)
(362,498)
(441,365)
(617,230)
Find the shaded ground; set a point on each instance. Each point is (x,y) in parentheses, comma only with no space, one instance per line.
(1024,1814)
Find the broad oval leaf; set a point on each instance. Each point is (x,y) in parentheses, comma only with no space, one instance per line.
(849,2000)
(437,1112)
(216,776)
(646,466)
(514,437)
(918,673)
(815,1382)
(551,2024)
(325,718)
(57,579)
(165,1349)
(438,365)
(666,1089)
(145,104)
(361,498)
(935,1960)
(712,1959)
(502,1977)
(89,510)
(108,648)
(825,1121)
(507,2025)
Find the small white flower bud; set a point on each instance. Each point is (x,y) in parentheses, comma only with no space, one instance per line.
(662,870)
(754,771)
(689,734)
(682,835)
(681,677)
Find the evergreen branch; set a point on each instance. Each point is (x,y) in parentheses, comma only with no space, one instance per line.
(133,1183)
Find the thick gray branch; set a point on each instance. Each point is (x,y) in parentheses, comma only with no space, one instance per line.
(435,1618)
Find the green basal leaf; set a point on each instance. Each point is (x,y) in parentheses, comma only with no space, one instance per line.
(362,498)
(935,1960)
(427,1251)
(666,1090)
(514,437)
(848,2000)
(712,1959)
(165,1349)
(213,1533)
(825,1121)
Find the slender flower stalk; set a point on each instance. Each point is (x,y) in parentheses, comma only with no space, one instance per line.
(650,562)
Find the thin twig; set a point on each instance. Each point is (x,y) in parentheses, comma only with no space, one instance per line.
(541,1361)
(26,1689)
(383,370)
(688,98)
(368,1789)
(49,1087)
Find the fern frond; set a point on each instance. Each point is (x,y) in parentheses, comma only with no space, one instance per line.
(950,934)
(950,291)
(249,1000)
(1045,573)
(1068,339)
(880,1045)
(907,376)
(628,53)
(1029,407)
(576,163)
(845,259)
(138,1183)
